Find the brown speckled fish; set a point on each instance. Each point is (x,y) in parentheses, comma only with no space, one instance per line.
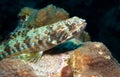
(38,40)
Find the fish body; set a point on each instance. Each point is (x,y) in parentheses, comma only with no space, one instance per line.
(42,38)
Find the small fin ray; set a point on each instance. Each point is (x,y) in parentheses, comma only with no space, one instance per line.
(35,57)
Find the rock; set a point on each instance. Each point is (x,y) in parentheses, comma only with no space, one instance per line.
(92,59)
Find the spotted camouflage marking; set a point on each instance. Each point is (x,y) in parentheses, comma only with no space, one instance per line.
(42,38)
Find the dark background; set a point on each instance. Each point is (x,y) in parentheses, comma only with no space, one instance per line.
(102,16)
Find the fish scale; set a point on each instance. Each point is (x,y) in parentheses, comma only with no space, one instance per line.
(42,38)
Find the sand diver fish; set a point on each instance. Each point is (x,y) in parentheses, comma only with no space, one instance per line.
(38,40)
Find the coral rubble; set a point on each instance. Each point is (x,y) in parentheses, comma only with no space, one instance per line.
(15,68)
(48,15)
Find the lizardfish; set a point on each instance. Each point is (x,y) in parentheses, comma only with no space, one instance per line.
(42,38)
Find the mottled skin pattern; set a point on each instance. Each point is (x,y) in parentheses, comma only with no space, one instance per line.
(42,38)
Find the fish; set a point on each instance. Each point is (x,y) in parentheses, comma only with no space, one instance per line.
(38,40)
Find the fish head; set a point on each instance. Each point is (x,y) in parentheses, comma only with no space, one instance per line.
(66,29)
(75,26)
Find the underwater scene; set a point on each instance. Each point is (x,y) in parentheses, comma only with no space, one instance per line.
(60,38)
